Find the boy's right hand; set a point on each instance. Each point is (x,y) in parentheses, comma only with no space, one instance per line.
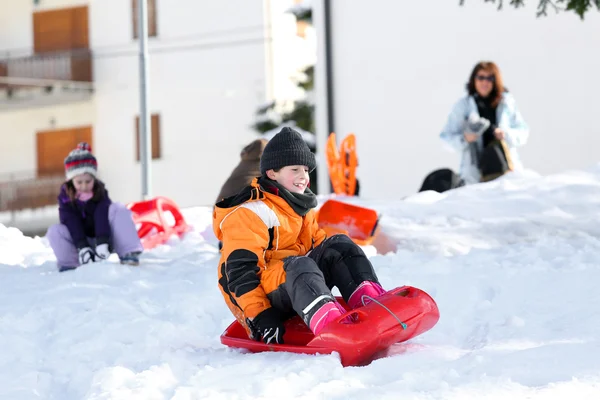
(86,255)
(269,324)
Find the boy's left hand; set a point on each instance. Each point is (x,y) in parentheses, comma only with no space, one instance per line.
(270,325)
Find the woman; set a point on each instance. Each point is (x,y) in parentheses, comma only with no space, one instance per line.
(487,115)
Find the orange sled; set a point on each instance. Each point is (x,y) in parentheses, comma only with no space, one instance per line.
(359,223)
(153,226)
(397,316)
(342,164)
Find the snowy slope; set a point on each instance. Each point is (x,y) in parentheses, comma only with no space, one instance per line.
(514,266)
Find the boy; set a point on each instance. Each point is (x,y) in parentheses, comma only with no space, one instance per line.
(275,259)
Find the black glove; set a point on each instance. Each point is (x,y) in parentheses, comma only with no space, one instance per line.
(269,325)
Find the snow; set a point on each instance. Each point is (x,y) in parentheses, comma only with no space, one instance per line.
(512,264)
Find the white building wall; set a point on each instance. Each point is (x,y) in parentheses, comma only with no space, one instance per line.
(400,66)
(207,77)
(16,27)
(16,22)
(18,130)
(291,53)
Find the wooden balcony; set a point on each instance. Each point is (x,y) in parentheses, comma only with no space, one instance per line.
(73,65)
(20,193)
(45,78)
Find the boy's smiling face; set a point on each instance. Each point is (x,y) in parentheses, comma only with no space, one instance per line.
(294,178)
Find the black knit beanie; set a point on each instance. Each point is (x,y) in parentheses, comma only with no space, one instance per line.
(286,148)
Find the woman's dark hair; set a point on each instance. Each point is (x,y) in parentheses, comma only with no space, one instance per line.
(99,191)
(492,69)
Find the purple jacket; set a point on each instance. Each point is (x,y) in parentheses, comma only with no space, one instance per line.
(84,219)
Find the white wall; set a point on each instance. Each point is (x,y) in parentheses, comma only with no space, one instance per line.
(18,128)
(18,153)
(291,53)
(400,66)
(16,23)
(207,77)
(52,4)
(18,132)
(16,27)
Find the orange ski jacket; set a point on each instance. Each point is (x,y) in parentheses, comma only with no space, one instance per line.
(258,230)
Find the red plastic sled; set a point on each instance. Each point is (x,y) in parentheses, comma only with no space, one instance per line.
(154,228)
(408,312)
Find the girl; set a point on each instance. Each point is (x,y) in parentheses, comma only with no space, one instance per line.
(275,260)
(486,114)
(90,224)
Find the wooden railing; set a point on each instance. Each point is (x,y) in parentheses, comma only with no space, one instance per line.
(29,193)
(74,65)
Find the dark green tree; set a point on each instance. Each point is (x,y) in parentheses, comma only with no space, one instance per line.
(302,111)
(579,7)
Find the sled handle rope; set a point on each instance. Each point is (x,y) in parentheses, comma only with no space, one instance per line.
(364,296)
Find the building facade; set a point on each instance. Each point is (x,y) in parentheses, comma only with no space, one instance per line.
(69,71)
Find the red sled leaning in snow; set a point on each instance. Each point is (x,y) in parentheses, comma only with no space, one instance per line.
(153,226)
(397,316)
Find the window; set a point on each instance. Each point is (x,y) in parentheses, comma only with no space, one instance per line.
(152,31)
(60,29)
(155,133)
(54,145)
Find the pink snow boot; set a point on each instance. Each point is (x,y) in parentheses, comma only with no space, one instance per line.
(329,312)
(367,288)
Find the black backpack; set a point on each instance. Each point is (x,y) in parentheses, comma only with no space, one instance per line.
(442,180)
(494,160)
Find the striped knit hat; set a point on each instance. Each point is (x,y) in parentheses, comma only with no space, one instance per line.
(80,161)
